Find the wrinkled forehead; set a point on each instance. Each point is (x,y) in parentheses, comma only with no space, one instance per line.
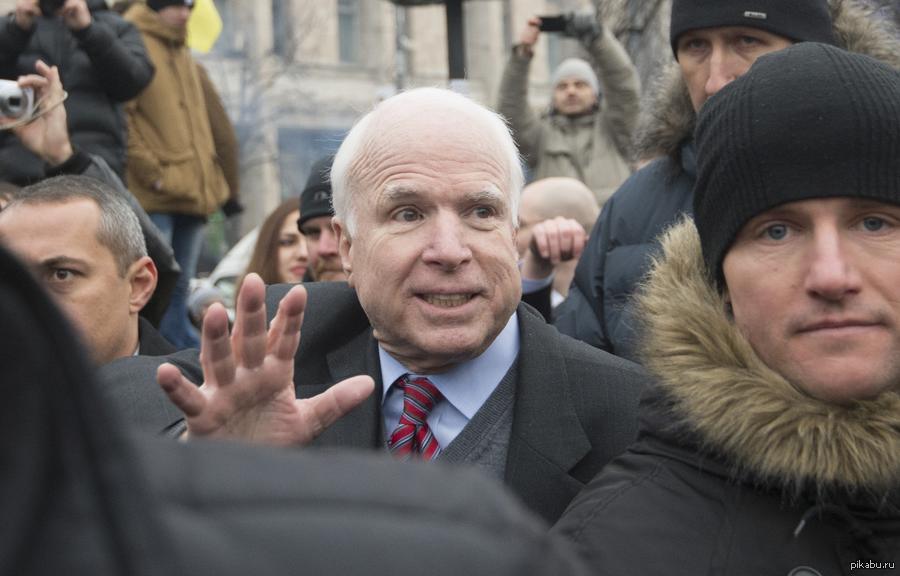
(430,134)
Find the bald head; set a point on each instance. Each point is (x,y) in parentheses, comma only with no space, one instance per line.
(552,197)
(415,119)
(426,190)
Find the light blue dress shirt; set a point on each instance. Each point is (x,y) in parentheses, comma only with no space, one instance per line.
(465,387)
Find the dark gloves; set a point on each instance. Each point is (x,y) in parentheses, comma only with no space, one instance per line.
(584,25)
(232,207)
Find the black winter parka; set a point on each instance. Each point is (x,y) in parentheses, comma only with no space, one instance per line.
(100,67)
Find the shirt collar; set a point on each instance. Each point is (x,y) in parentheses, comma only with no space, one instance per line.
(468,385)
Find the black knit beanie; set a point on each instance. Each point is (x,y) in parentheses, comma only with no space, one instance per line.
(315,200)
(797,20)
(160,4)
(809,121)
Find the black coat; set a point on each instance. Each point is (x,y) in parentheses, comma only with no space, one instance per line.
(575,407)
(151,342)
(668,508)
(599,308)
(737,472)
(100,67)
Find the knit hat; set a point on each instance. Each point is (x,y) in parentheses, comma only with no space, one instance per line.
(315,200)
(809,121)
(160,4)
(797,20)
(576,68)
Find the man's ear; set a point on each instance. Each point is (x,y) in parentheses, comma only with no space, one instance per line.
(142,277)
(345,247)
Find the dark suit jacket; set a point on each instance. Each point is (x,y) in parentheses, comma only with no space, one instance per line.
(106,503)
(575,406)
(152,343)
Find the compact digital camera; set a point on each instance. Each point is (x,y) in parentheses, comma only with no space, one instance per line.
(573,24)
(16,103)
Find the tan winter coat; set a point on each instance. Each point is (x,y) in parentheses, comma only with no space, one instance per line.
(592,148)
(172,162)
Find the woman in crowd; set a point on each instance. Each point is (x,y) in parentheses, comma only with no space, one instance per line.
(280,254)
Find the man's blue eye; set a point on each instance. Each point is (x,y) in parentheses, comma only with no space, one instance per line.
(408,215)
(873,224)
(776,231)
(483,212)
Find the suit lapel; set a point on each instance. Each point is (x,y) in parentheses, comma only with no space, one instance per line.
(547,437)
(363,427)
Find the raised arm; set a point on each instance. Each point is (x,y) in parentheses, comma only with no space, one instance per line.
(513,99)
(248,392)
(622,87)
(115,48)
(15,32)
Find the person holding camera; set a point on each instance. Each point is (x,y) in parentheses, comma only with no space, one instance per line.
(42,130)
(102,62)
(585,134)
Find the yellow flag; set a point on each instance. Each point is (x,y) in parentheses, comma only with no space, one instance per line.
(204,26)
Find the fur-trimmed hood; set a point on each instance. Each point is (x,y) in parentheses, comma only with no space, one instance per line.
(667,115)
(741,409)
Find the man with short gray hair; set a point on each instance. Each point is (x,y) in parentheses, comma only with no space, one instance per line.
(426,351)
(84,243)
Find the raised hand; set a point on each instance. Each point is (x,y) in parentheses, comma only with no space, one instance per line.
(76,14)
(25,13)
(47,134)
(553,241)
(248,391)
(530,34)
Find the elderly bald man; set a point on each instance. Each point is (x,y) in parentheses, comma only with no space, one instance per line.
(553,210)
(453,368)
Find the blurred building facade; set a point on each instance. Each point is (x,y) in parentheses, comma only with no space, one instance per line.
(296,74)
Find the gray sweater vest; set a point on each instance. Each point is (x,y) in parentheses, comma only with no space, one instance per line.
(484,442)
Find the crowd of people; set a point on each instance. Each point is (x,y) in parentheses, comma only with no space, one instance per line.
(676,350)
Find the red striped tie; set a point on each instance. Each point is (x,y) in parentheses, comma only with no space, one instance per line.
(412,436)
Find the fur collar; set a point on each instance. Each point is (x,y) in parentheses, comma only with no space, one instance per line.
(667,116)
(738,406)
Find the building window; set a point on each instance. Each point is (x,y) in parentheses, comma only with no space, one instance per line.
(282,41)
(348,30)
(298,149)
(232,39)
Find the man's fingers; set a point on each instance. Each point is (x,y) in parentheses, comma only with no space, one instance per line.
(566,240)
(249,336)
(553,241)
(45,70)
(539,246)
(284,332)
(330,405)
(33,81)
(181,392)
(216,356)
(578,243)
